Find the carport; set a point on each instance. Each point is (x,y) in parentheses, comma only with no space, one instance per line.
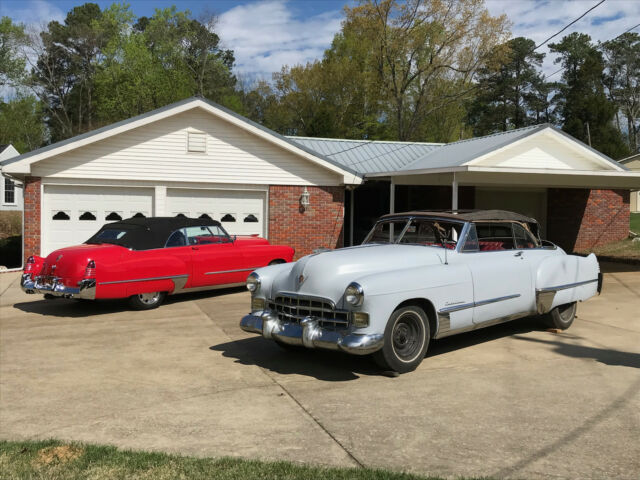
(579,195)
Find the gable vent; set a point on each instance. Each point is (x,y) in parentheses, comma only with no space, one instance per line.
(196,142)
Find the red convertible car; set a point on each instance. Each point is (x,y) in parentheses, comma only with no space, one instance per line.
(146,259)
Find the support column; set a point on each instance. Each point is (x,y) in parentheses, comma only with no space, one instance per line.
(352,198)
(454,193)
(392,206)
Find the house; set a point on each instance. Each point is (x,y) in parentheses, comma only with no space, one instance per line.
(197,158)
(633,163)
(10,190)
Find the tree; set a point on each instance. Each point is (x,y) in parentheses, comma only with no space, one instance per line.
(22,123)
(586,112)
(622,80)
(514,95)
(416,45)
(12,65)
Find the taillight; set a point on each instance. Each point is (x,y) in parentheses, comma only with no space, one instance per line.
(90,271)
(28,268)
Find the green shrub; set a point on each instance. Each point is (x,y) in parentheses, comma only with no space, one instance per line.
(10,224)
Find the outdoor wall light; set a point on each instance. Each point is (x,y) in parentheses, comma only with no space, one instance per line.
(304,200)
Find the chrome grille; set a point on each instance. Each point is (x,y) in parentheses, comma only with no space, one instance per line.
(292,308)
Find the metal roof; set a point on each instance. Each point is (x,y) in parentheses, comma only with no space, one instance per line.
(368,156)
(457,154)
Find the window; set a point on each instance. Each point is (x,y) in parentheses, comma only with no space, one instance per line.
(494,236)
(197,142)
(204,235)
(110,234)
(176,239)
(181,215)
(87,216)
(386,232)
(422,233)
(251,218)
(471,242)
(113,217)
(523,237)
(228,218)
(9,191)
(139,215)
(204,215)
(60,216)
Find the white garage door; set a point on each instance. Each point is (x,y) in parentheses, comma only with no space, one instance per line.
(241,212)
(73,214)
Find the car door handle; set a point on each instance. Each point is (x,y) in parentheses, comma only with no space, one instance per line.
(195,248)
(517,254)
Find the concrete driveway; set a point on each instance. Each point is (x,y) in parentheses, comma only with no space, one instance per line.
(508,401)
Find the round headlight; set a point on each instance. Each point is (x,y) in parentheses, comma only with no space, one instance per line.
(253,282)
(354,294)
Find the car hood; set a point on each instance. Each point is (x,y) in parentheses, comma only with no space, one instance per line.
(327,274)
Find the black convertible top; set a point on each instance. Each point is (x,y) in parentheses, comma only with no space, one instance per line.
(146,233)
(466,215)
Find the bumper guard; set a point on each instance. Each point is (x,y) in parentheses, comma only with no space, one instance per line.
(310,334)
(86,288)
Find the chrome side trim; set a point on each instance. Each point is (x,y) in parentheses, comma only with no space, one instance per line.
(207,287)
(477,326)
(169,277)
(464,306)
(566,286)
(233,271)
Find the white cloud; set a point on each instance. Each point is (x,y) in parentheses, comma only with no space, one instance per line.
(34,13)
(267,35)
(539,20)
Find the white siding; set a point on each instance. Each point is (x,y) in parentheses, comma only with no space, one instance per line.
(543,151)
(158,152)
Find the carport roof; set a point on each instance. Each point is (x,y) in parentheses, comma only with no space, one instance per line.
(368,156)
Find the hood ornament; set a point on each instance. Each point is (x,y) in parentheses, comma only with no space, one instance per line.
(59,257)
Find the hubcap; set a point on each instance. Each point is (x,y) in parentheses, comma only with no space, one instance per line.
(408,336)
(567,312)
(149,298)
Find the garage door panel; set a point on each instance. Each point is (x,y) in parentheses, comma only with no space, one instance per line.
(241,212)
(72,214)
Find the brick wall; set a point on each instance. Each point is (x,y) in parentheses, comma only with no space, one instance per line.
(319,226)
(32,205)
(580,219)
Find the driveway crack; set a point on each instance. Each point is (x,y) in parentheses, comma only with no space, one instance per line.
(294,399)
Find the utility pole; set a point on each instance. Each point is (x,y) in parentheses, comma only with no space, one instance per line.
(588,134)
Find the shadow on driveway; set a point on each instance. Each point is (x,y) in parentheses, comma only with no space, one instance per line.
(338,366)
(602,355)
(64,307)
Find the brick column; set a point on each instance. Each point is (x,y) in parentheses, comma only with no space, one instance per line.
(32,215)
(580,219)
(319,226)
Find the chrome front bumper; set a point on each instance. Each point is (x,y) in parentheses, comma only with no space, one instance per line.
(86,288)
(310,334)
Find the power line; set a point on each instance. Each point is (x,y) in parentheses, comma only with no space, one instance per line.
(567,26)
(614,38)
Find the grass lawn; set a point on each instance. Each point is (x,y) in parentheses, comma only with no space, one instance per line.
(57,460)
(622,249)
(635,223)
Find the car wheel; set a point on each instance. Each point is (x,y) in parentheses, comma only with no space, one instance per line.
(562,316)
(406,338)
(146,301)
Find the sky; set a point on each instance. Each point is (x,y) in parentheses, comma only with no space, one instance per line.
(267,34)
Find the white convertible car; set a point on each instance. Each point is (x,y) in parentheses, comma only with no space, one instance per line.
(419,276)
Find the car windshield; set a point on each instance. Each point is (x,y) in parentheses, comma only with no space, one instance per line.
(416,231)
